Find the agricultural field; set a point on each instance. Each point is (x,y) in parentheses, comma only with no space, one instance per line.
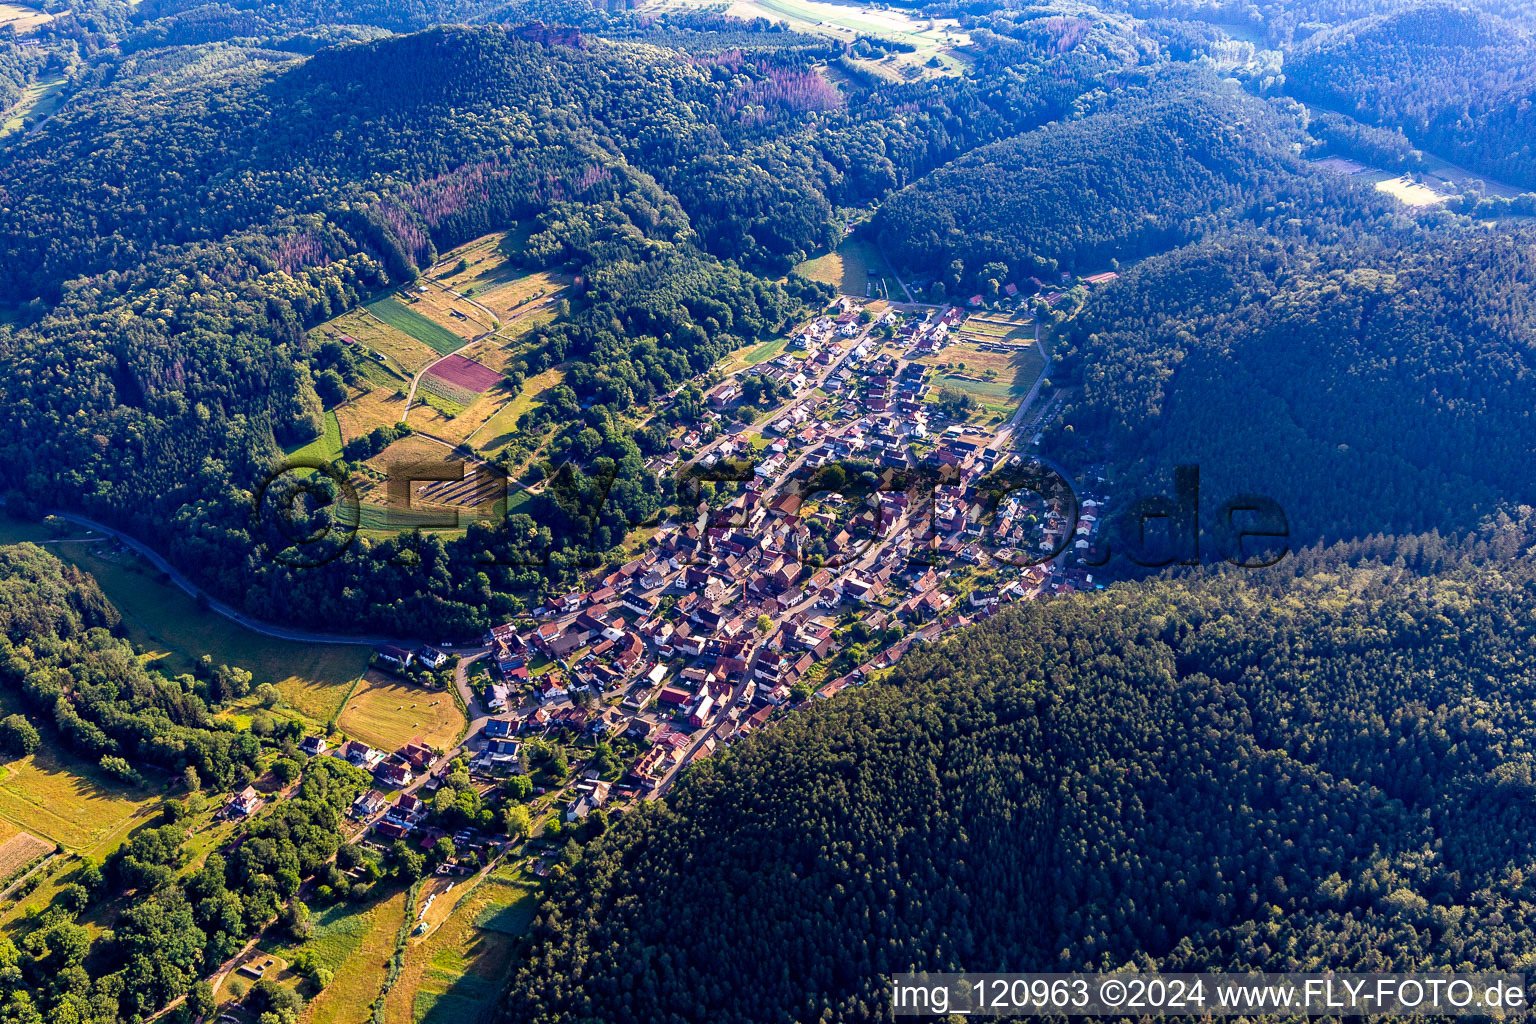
(455,971)
(57,797)
(378,509)
(1409,192)
(492,435)
(751,355)
(466,373)
(492,276)
(387,713)
(356,945)
(462,317)
(403,353)
(468,422)
(377,408)
(22,19)
(997,380)
(847,268)
(406,451)
(996,328)
(39,100)
(381,521)
(403,318)
(19,849)
(930,37)
(167,624)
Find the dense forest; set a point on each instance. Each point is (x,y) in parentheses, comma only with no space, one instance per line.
(1158,168)
(1316,767)
(1457,80)
(220,180)
(1253,358)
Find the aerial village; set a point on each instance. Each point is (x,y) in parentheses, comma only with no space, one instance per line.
(824,539)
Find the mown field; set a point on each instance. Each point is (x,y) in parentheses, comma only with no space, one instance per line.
(405,354)
(492,434)
(377,408)
(847,268)
(387,713)
(931,37)
(493,277)
(22,19)
(355,942)
(1016,373)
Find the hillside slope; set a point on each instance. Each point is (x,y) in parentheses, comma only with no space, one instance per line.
(1460,82)
(1150,173)
(1367,388)
(1285,771)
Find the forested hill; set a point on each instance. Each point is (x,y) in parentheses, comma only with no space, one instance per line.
(1459,81)
(757,148)
(1366,387)
(189,214)
(1321,768)
(1163,165)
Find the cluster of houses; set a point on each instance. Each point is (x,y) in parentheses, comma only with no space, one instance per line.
(398,659)
(722,620)
(394,770)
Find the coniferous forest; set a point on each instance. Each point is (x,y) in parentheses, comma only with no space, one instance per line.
(1308,767)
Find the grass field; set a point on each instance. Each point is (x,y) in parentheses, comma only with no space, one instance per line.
(326,447)
(56,796)
(450,392)
(162,620)
(847,268)
(454,973)
(493,434)
(1016,373)
(469,420)
(387,713)
(406,354)
(1409,192)
(403,318)
(379,522)
(751,355)
(446,408)
(40,99)
(337,933)
(359,945)
(493,277)
(404,452)
(439,305)
(380,375)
